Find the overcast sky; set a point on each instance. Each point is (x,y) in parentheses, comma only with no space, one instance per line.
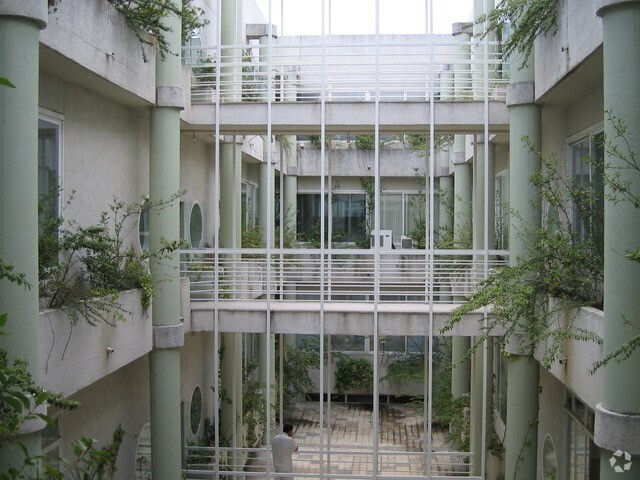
(304,17)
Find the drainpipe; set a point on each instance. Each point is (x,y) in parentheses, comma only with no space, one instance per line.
(617,425)
(522,369)
(168,335)
(20,23)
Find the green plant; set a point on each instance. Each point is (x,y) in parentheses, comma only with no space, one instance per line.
(86,268)
(365,141)
(528,20)
(252,85)
(560,264)
(352,373)
(295,369)
(146,17)
(254,405)
(422,142)
(21,399)
(204,72)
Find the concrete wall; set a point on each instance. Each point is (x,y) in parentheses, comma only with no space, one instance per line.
(73,357)
(122,398)
(94,37)
(105,149)
(579,35)
(552,420)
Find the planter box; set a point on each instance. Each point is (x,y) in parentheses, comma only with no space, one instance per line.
(72,358)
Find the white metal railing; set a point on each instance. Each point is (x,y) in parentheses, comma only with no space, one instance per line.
(298,71)
(338,275)
(335,463)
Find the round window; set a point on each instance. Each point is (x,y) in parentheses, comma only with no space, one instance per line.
(549,462)
(195,413)
(143,453)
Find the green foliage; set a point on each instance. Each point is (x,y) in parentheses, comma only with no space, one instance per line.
(252,84)
(405,369)
(365,141)
(295,369)
(86,268)
(6,83)
(418,205)
(146,17)
(559,264)
(315,141)
(528,20)
(254,405)
(422,142)
(21,400)
(204,72)
(352,373)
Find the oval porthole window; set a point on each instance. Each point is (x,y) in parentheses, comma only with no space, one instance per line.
(195,413)
(143,226)
(195,226)
(143,453)
(549,461)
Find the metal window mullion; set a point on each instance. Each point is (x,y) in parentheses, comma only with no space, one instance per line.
(322,231)
(486,226)
(376,263)
(430,228)
(269,241)
(216,245)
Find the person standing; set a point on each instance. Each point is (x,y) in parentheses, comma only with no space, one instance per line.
(282,448)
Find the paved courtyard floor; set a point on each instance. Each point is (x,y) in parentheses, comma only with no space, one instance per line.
(347,448)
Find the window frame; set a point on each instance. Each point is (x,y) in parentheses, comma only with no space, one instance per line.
(57,120)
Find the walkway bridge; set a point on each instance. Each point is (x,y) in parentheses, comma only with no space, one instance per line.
(402,83)
(407,291)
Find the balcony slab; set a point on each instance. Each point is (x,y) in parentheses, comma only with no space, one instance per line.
(339,318)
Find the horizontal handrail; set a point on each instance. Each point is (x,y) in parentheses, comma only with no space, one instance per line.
(301,72)
(340,275)
(337,462)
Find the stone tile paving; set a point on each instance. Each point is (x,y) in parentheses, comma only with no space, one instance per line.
(351,440)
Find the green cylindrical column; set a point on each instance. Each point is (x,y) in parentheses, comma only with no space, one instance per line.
(266,198)
(231,33)
(19,57)
(231,193)
(522,370)
(445,211)
(621,382)
(164,180)
(462,188)
(483,219)
(231,419)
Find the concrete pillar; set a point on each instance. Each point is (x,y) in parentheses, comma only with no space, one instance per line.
(482,219)
(20,23)
(462,191)
(164,181)
(231,193)
(230,211)
(462,69)
(478,50)
(522,370)
(462,225)
(231,417)
(232,33)
(618,416)
(266,199)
